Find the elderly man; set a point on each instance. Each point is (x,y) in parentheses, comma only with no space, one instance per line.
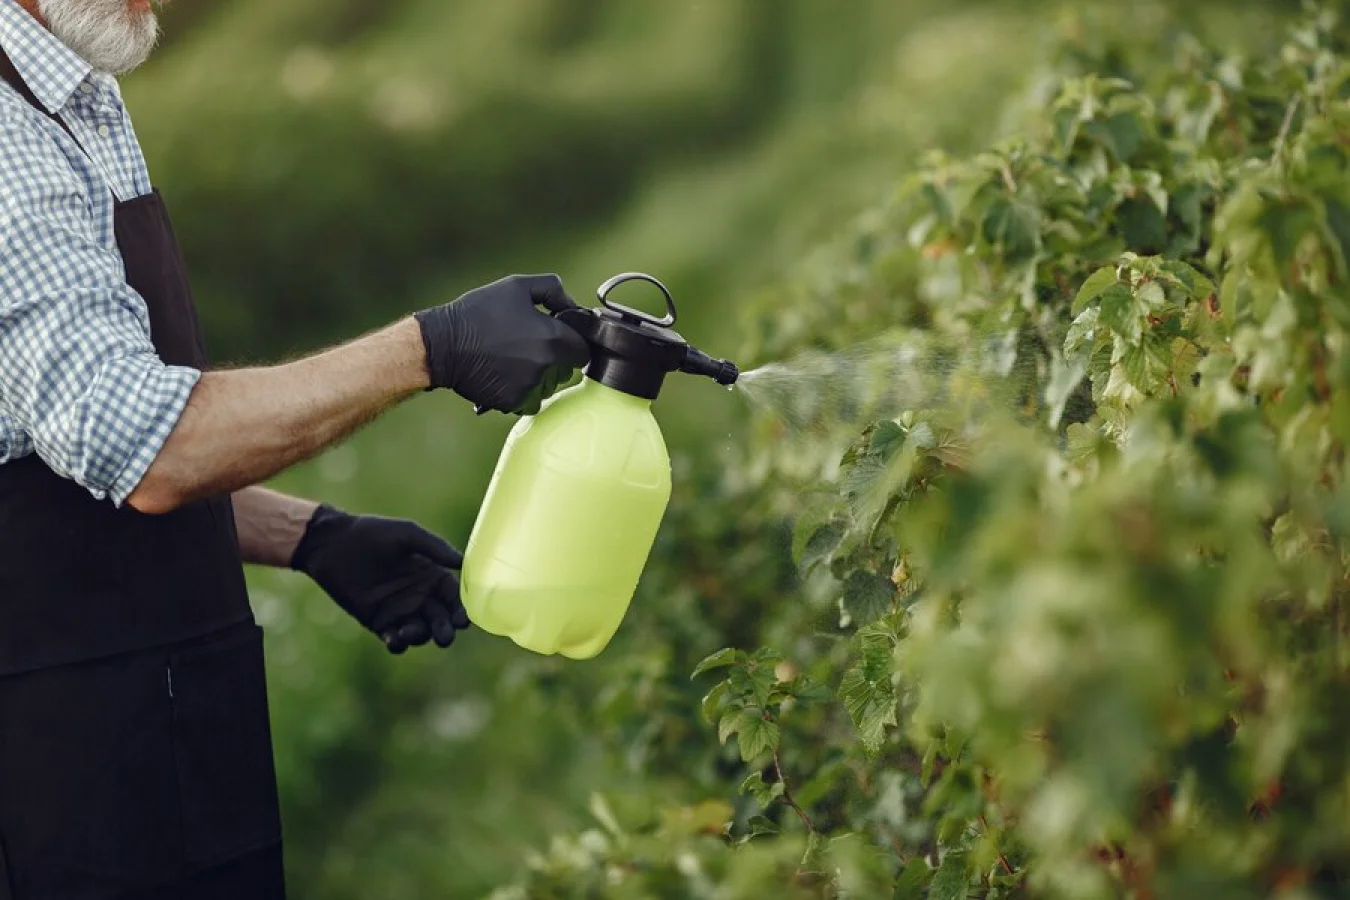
(135,754)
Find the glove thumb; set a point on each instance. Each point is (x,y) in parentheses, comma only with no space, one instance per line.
(548,291)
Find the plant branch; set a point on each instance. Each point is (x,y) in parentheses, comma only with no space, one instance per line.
(1002,859)
(1285,126)
(787,795)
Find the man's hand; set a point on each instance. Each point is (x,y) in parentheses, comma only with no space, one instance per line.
(493,347)
(391,575)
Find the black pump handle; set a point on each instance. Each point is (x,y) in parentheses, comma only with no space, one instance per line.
(603,293)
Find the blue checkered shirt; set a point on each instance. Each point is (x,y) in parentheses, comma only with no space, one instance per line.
(80,382)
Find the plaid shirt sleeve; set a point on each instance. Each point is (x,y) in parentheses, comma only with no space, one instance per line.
(78,374)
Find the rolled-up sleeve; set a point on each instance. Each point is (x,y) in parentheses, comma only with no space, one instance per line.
(78,372)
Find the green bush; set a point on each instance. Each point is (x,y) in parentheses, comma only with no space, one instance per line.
(1070,612)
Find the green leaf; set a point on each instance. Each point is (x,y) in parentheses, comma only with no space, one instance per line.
(1285,224)
(861,477)
(1082,332)
(762,678)
(1092,288)
(867,692)
(1185,359)
(763,792)
(1121,312)
(727,656)
(1338,222)
(913,880)
(600,809)
(886,438)
(808,690)
(1067,120)
(1083,442)
(757,735)
(1121,134)
(867,597)
(760,825)
(712,701)
(1199,286)
(822,545)
(1151,295)
(814,515)
(767,656)
(816,844)
(1151,183)
(1187,204)
(1146,365)
(1142,225)
(1013,226)
(731,721)
(952,881)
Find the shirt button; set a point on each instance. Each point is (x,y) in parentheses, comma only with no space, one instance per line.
(104,131)
(87,88)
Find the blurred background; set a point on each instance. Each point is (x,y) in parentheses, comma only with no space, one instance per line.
(334,164)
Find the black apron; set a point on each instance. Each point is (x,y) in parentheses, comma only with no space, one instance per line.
(135,749)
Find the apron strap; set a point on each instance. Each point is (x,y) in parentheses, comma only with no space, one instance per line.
(11,76)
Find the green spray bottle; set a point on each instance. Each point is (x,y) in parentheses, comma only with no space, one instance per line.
(591,464)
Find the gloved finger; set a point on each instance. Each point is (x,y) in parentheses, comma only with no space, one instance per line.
(393,642)
(531,405)
(438,618)
(570,348)
(548,386)
(414,632)
(400,598)
(449,596)
(434,547)
(548,291)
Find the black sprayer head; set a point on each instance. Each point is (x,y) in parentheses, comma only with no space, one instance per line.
(632,351)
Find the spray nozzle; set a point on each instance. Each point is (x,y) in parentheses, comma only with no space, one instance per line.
(722,371)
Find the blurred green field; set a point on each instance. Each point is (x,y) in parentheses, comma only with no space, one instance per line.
(332,164)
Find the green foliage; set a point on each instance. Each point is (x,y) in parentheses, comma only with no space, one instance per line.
(1071,622)
(333,165)
(314,151)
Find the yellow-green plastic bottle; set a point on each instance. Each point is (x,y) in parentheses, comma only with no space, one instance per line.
(577,498)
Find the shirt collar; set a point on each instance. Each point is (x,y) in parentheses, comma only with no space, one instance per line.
(52,71)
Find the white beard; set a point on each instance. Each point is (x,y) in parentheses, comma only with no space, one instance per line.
(107,34)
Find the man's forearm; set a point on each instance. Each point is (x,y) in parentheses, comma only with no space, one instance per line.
(270,524)
(243,426)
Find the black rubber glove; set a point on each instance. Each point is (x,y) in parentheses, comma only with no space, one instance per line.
(391,575)
(495,348)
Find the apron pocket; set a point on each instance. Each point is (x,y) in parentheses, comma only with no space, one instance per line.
(86,776)
(223,747)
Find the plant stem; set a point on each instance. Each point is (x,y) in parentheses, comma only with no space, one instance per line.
(787,796)
(1285,126)
(1003,860)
